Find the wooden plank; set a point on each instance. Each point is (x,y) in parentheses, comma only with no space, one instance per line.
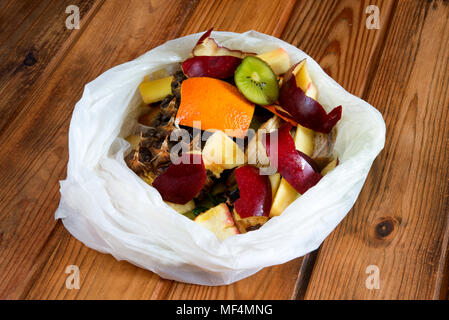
(34,146)
(241,15)
(28,194)
(400,222)
(278,282)
(33,40)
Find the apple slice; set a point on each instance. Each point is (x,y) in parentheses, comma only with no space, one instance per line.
(206,46)
(255,192)
(221,153)
(304,142)
(155,90)
(218,67)
(293,165)
(305,110)
(181,182)
(275,180)
(285,195)
(219,221)
(250,224)
(278,60)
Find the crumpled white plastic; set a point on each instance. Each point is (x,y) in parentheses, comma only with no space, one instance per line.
(107,207)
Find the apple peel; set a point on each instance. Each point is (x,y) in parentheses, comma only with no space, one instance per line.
(181,182)
(218,67)
(280,112)
(206,46)
(305,110)
(298,169)
(255,192)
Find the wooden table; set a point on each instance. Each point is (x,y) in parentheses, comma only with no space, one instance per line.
(399,223)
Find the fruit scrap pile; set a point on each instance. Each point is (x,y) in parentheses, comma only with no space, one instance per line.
(227,94)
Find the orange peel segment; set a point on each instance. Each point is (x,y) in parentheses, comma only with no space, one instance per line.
(217,104)
(281,113)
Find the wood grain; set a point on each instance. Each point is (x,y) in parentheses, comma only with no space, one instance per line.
(400,222)
(241,15)
(401,69)
(34,145)
(28,192)
(33,41)
(280,282)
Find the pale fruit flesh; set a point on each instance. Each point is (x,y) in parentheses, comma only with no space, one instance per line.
(278,60)
(275,180)
(221,153)
(219,221)
(285,195)
(155,90)
(304,142)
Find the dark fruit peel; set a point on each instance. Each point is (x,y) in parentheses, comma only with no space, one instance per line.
(218,67)
(256,81)
(298,169)
(255,192)
(181,182)
(305,110)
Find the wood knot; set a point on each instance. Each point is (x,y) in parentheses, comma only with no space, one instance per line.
(385,227)
(30,59)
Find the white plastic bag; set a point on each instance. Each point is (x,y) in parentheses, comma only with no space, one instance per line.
(107,207)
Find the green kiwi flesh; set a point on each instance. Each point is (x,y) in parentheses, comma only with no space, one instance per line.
(256,81)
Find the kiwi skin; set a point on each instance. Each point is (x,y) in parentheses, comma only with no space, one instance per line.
(256,81)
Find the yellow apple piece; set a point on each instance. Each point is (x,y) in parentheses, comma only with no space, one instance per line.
(304,142)
(275,180)
(219,221)
(278,60)
(182,208)
(304,138)
(221,153)
(155,90)
(285,195)
(133,140)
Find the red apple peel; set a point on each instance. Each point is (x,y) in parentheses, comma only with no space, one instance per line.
(255,192)
(181,182)
(218,67)
(206,46)
(305,110)
(298,169)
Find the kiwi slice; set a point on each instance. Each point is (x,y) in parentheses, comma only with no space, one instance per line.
(256,81)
